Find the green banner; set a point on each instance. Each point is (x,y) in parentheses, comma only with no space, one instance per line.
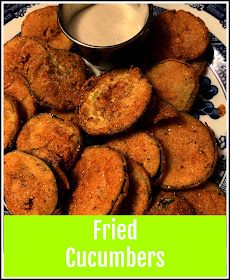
(115,246)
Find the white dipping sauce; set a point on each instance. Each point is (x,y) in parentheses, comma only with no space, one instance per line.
(108,24)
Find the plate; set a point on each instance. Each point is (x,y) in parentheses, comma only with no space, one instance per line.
(212,95)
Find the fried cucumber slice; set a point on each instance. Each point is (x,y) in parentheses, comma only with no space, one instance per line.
(29,185)
(175,82)
(20,52)
(114,101)
(43,24)
(163,110)
(207,199)
(67,116)
(199,65)
(61,177)
(17,86)
(141,147)
(52,139)
(180,35)
(101,182)
(170,203)
(139,194)
(190,151)
(56,80)
(12,122)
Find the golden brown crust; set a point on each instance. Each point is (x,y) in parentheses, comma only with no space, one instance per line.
(175,82)
(56,80)
(17,86)
(180,35)
(57,211)
(141,147)
(199,65)
(72,117)
(20,52)
(61,177)
(52,139)
(12,122)
(170,203)
(100,177)
(190,151)
(123,194)
(114,101)
(163,110)
(43,24)
(29,185)
(139,196)
(207,199)
(39,70)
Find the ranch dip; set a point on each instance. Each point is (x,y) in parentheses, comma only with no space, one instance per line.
(108,24)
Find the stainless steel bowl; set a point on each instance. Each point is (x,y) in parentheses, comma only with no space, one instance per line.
(105,57)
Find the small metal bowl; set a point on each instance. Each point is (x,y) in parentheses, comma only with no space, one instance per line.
(105,57)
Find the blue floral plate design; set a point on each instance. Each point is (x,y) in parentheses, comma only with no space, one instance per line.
(210,106)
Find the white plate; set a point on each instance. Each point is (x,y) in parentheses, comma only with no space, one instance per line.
(213,83)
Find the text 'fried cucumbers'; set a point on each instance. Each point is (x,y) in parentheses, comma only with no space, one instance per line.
(101,182)
(56,80)
(11,121)
(20,52)
(29,185)
(139,194)
(207,199)
(175,82)
(178,34)
(190,151)
(52,139)
(17,86)
(141,147)
(114,101)
(43,24)
(170,203)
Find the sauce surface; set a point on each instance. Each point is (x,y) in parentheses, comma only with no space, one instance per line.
(108,24)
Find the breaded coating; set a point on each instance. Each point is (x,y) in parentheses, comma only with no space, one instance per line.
(141,147)
(143,152)
(56,80)
(163,110)
(29,185)
(178,34)
(207,199)
(43,24)
(175,82)
(101,182)
(20,52)
(190,151)
(170,203)
(139,194)
(67,116)
(52,139)
(199,65)
(17,86)
(12,121)
(114,101)
(57,212)
(61,177)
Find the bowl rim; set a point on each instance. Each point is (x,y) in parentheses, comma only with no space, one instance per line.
(74,40)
